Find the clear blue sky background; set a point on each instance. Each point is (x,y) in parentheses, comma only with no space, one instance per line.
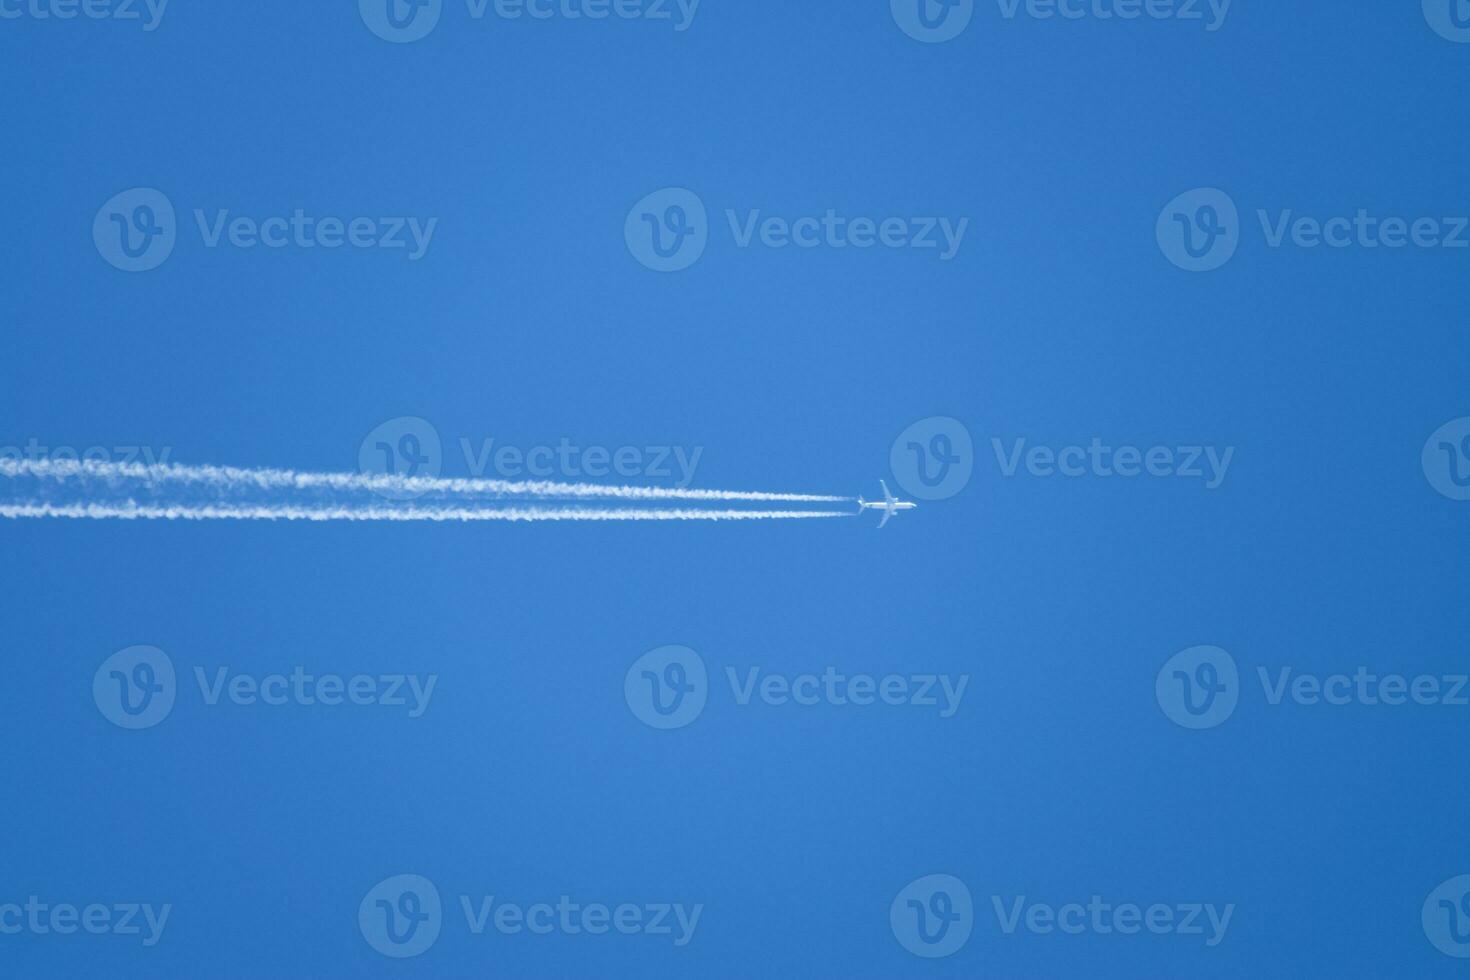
(529,321)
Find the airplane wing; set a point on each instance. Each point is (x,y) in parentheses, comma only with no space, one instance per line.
(887,497)
(886,514)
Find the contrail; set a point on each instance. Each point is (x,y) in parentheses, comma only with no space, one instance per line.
(94,490)
(211,512)
(240,479)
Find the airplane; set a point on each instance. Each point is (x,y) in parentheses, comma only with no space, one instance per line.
(888,505)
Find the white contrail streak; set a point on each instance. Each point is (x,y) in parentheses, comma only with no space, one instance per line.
(231,478)
(225,512)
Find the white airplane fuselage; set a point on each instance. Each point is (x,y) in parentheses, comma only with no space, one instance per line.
(883,505)
(889,505)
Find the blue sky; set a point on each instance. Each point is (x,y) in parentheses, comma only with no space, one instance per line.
(1068,151)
